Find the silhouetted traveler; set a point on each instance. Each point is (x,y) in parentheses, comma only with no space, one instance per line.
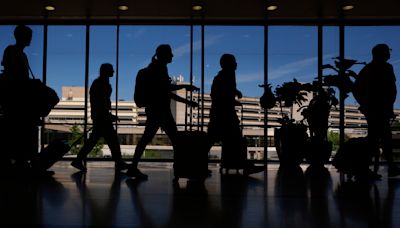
(158,110)
(375,90)
(20,126)
(224,122)
(100,103)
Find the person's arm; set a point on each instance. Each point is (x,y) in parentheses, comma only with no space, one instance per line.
(188,87)
(183,100)
(392,89)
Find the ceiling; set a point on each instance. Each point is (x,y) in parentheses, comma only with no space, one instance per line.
(214,11)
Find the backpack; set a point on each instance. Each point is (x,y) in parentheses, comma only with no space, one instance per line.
(141,95)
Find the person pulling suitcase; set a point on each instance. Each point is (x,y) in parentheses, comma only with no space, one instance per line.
(157,105)
(224,122)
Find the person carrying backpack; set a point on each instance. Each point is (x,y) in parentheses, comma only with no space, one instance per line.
(158,94)
(375,91)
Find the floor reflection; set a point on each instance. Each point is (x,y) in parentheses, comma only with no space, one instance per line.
(300,196)
(98,205)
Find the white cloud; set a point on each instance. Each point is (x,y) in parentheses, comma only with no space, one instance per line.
(293,67)
(139,33)
(395,62)
(185,48)
(249,77)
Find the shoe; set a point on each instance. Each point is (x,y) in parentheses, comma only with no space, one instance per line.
(76,163)
(253,169)
(135,172)
(393,171)
(121,166)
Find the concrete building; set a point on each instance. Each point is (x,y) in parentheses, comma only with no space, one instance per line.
(71,111)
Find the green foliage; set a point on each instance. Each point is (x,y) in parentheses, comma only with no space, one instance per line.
(290,93)
(334,137)
(76,136)
(151,154)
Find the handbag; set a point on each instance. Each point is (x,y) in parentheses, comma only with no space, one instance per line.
(41,98)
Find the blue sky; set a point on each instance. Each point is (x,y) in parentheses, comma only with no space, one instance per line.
(292,52)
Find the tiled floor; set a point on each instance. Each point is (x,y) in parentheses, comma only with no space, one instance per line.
(277,198)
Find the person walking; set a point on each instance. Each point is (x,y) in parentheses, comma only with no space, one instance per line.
(19,123)
(100,92)
(224,123)
(375,90)
(158,98)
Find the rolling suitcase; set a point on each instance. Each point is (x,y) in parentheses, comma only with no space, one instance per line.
(354,158)
(191,154)
(55,152)
(52,153)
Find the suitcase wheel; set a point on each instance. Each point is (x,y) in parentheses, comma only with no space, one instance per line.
(221,170)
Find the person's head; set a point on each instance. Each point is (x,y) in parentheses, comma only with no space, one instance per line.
(164,53)
(381,52)
(228,62)
(106,70)
(23,35)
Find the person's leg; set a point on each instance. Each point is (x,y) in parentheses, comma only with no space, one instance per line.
(24,143)
(85,150)
(387,149)
(169,126)
(232,142)
(33,147)
(149,132)
(111,137)
(374,132)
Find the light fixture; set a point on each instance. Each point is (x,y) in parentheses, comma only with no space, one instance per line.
(197,8)
(347,7)
(272,7)
(50,8)
(123,7)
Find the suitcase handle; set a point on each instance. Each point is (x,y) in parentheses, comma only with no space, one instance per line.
(191,108)
(80,138)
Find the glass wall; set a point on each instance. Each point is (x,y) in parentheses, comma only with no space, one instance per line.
(66,75)
(34,51)
(246,43)
(359,41)
(103,49)
(292,54)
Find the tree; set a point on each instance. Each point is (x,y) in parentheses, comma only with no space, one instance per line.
(77,140)
(334,138)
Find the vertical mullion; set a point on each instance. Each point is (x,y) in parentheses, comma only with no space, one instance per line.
(117,77)
(265,88)
(86,78)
